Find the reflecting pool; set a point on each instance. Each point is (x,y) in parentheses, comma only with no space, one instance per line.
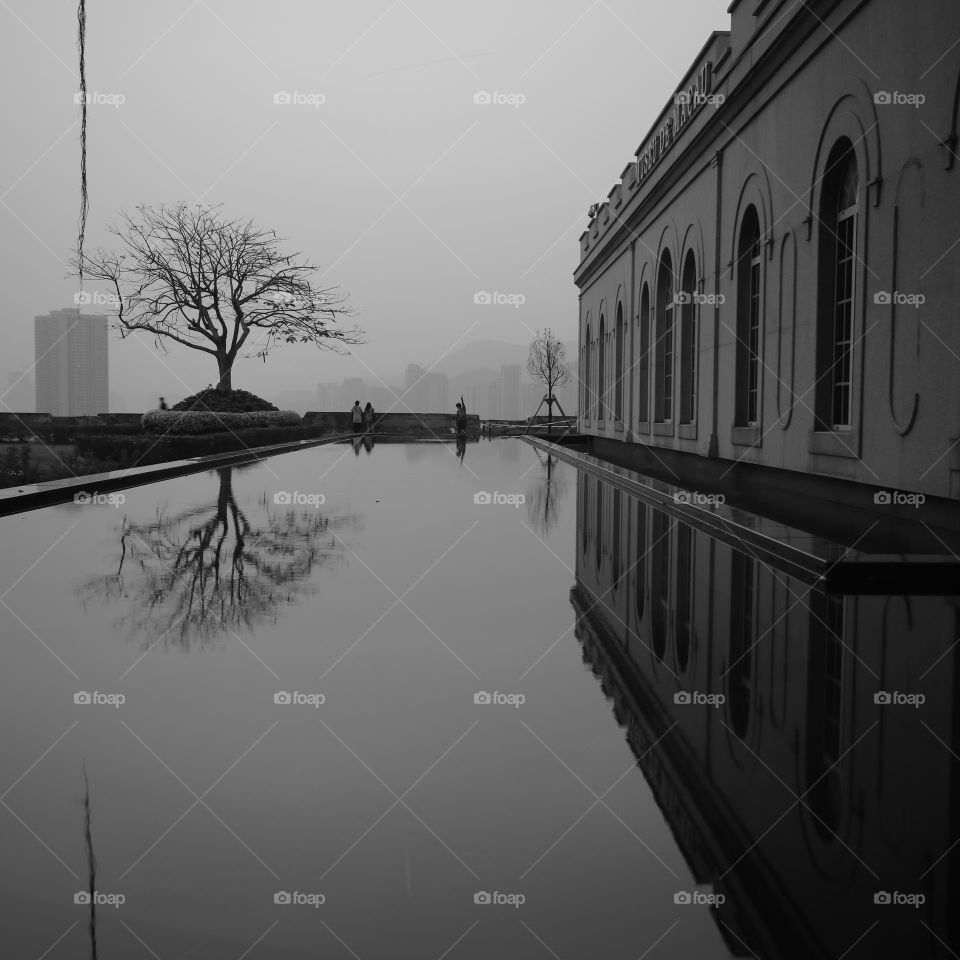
(344,703)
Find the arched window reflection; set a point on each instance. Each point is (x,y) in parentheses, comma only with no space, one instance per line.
(640,567)
(660,583)
(743,628)
(684,599)
(599,525)
(617,570)
(825,731)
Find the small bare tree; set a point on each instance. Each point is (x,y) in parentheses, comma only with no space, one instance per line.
(188,274)
(547,364)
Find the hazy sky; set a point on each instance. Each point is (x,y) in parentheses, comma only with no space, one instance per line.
(402,189)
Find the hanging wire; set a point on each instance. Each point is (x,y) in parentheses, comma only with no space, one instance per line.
(84,201)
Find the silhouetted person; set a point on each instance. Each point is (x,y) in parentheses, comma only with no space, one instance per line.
(461,417)
(368,414)
(356,415)
(163,404)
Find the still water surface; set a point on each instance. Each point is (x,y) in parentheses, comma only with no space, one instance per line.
(399,800)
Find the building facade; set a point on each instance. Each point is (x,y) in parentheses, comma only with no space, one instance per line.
(425,391)
(72,364)
(774,281)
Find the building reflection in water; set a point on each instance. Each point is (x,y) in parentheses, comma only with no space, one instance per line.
(185,578)
(751,703)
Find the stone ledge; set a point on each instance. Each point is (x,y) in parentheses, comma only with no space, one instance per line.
(33,496)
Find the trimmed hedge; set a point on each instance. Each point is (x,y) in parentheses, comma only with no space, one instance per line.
(149,448)
(234,401)
(200,421)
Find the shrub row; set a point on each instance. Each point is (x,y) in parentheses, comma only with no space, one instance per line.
(206,421)
(149,448)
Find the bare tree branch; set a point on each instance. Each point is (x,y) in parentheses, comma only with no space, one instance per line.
(189,275)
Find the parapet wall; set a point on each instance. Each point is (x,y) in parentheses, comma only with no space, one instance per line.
(442,425)
(24,425)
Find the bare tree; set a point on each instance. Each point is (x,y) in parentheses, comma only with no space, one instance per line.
(547,364)
(188,274)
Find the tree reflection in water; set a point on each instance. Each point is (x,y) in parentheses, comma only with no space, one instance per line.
(543,498)
(191,576)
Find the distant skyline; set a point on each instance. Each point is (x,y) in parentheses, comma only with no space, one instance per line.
(421,183)
(72,368)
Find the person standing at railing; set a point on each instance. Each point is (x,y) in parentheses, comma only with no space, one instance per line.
(368,415)
(461,416)
(356,415)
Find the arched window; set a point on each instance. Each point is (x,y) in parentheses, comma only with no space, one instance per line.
(601,385)
(644,358)
(688,341)
(586,405)
(838,258)
(618,383)
(663,350)
(743,630)
(749,263)
(684,599)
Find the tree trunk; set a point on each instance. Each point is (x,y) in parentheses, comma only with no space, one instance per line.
(225,365)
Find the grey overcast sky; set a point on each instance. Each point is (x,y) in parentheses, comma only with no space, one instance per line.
(404,191)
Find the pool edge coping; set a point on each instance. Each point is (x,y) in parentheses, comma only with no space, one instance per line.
(52,492)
